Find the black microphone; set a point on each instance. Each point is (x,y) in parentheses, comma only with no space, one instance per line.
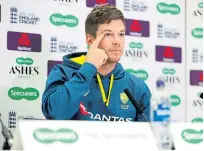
(201,96)
(7,136)
(135,104)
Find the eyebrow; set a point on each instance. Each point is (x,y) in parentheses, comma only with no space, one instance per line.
(112,31)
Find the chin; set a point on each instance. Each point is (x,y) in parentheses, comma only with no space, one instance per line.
(113,60)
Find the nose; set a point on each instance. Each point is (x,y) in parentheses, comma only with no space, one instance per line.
(116,40)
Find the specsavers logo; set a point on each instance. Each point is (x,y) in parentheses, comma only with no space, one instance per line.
(197,33)
(164,8)
(192,136)
(26,61)
(142,74)
(48,136)
(136,45)
(197,120)
(175,100)
(17,93)
(68,20)
(200,5)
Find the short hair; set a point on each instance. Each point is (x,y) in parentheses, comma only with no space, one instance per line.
(101,14)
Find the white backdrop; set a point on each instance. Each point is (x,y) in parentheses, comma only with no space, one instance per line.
(194,64)
(162,45)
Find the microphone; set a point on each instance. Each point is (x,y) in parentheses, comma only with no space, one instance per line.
(7,136)
(201,95)
(135,104)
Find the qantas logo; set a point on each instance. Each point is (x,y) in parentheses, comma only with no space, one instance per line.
(83,110)
(100,117)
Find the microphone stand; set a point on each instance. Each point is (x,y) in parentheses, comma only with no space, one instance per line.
(6,146)
(7,134)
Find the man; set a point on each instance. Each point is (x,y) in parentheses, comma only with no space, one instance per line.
(90,86)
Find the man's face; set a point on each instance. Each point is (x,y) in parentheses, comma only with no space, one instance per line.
(114,39)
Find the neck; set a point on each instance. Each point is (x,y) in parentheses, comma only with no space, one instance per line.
(106,68)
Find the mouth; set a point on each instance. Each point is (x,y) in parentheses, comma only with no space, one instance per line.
(115,50)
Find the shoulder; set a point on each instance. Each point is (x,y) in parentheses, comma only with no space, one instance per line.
(55,68)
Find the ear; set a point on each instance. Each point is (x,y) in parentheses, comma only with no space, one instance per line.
(89,39)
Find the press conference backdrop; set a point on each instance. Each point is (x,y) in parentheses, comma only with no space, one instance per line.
(163,39)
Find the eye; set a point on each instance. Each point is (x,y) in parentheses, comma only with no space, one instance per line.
(108,34)
(122,34)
